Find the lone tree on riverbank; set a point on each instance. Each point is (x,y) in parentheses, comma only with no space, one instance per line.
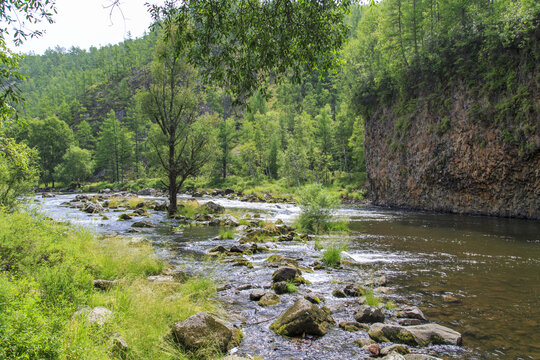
(182,137)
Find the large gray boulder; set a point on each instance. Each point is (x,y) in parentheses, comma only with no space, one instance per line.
(418,335)
(368,314)
(201,330)
(301,318)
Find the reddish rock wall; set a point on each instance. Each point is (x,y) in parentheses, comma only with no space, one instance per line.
(466,169)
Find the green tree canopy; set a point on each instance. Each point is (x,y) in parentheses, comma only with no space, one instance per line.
(76,166)
(239,43)
(51,137)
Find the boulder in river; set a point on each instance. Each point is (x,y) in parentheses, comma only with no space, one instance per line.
(418,335)
(240,248)
(280,287)
(353,290)
(124,217)
(285,273)
(93,208)
(213,208)
(393,356)
(412,312)
(257,294)
(420,357)
(301,318)
(338,293)
(142,224)
(400,349)
(368,314)
(202,330)
(352,326)
(269,299)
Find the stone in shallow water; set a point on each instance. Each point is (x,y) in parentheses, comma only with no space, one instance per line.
(142,224)
(368,314)
(363,342)
(280,287)
(269,299)
(257,294)
(352,326)
(400,349)
(301,318)
(338,293)
(285,273)
(418,335)
(420,357)
(412,312)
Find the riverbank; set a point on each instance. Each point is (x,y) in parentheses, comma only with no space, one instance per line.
(262,191)
(67,293)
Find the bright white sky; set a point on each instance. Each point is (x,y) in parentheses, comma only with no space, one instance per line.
(85,23)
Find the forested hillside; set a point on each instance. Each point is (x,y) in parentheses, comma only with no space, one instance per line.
(414,72)
(85,114)
(450,94)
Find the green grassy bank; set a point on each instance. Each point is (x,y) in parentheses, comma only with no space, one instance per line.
(46,276)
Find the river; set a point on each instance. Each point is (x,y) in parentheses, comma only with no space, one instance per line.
(477,275)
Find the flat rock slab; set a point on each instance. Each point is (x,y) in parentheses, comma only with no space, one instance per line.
(418,335)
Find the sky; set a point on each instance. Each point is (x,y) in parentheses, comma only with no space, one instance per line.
(86,23)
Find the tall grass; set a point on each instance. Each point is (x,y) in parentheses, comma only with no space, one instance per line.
(227,234)
(332,253)
(46,276)
(190,208)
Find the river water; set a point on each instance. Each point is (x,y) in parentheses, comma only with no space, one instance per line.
(477,275)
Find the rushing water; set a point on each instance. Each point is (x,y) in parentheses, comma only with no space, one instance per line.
(477,275)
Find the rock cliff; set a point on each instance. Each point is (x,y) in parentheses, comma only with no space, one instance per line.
(455,160)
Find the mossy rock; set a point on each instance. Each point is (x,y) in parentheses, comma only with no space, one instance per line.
(269,299)
(301,318)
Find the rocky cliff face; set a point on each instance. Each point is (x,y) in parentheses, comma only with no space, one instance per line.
(453,163)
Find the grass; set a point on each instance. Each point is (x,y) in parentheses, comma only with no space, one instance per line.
(371,299)
(190,208)
(227,234)
(46,273)
(291,287)
(332,254)
(390,305)
(133,201)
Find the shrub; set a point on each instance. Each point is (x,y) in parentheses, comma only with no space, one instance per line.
(317,207)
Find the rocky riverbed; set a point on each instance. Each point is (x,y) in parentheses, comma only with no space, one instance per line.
(274,287)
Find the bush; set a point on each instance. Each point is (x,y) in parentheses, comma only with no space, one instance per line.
(18,171)
(317,208)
